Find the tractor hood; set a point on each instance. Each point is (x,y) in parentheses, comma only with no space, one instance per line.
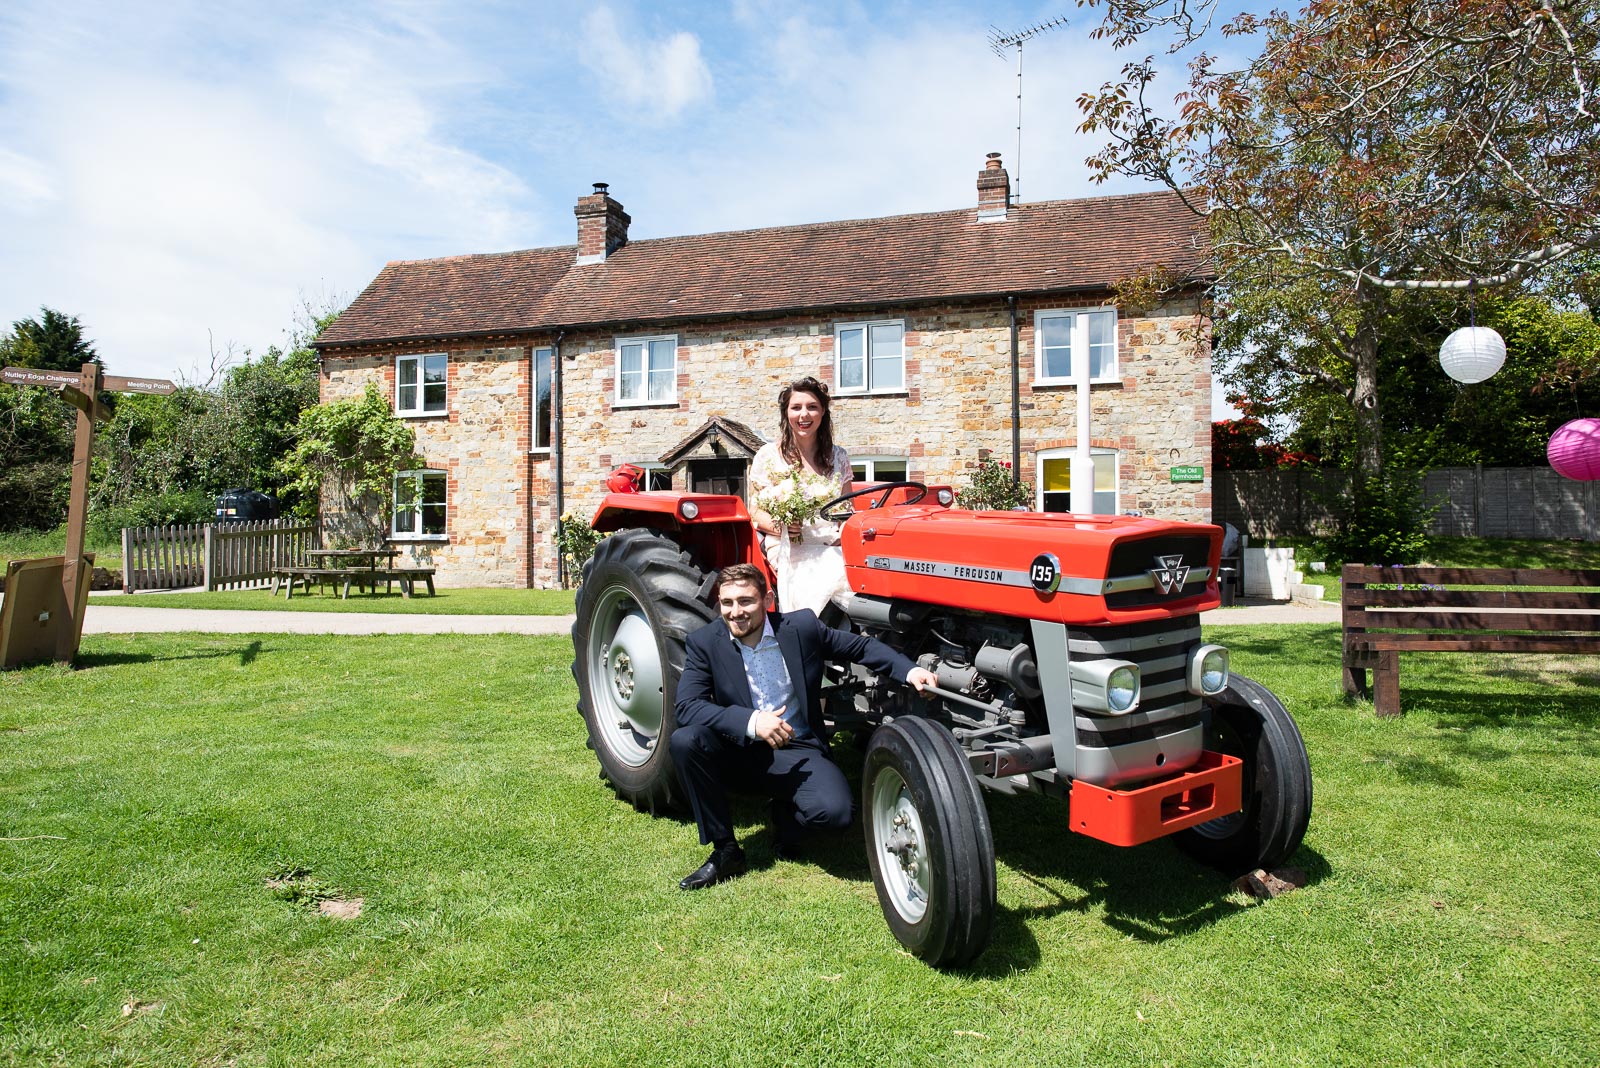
(1073,569)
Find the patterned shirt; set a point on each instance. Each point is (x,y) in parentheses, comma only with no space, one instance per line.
(770,685)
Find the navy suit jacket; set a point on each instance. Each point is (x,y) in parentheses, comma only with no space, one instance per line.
(715,691)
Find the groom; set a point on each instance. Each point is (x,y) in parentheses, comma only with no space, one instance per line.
(750,718)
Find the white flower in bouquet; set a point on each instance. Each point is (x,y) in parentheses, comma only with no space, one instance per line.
(797,497)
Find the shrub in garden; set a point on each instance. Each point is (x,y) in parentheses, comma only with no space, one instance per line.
(994,488)
(575,540)
(1383,520)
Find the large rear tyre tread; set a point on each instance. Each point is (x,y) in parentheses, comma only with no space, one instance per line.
(638,573)
(1248,721)
(916,774)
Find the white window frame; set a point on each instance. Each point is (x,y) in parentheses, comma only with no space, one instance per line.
(866,327)
(416,534)
(649,468)
(541,420)
(1095,453)
(1079,320)
(870,462)
(419,408)
(646,340)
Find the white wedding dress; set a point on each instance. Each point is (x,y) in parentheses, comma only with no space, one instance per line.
(810,572)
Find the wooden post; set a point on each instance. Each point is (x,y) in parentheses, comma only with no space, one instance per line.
(67,636)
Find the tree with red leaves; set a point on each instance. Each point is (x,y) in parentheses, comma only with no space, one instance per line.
(1370,149)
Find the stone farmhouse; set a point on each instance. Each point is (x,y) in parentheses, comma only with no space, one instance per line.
(943,336)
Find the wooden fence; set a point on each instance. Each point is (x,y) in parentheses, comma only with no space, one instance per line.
(1482,502)
(215,556)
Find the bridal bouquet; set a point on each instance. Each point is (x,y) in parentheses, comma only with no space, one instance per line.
(797,498)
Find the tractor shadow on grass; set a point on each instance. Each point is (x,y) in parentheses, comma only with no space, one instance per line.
(1151,893)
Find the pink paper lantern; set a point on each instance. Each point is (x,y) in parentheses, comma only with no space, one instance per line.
(1574,450)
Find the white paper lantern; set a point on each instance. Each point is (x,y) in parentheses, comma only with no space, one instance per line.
(1472,354)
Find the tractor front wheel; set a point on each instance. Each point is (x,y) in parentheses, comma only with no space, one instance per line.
(639,600)
(1249,722)
(928,842)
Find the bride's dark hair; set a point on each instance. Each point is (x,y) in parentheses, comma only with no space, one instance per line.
(786,443)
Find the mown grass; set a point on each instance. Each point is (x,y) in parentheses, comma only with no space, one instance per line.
(446,602)
(516,912)
(31,544)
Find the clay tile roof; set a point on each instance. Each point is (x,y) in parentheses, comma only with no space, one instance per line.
(1060,245)
(741,434)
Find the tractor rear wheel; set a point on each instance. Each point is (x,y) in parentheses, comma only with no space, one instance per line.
(928,841)
(639,600)
(1249,722)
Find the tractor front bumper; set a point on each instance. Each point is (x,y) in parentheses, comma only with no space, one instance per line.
(1210,789)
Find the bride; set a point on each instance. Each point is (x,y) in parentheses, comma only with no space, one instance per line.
(805,557)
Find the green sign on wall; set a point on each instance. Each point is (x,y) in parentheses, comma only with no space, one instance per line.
(1189,473)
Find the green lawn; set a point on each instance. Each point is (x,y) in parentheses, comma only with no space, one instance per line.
(447,602)
(514,912)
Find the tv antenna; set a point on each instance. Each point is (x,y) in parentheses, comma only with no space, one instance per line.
(998,43)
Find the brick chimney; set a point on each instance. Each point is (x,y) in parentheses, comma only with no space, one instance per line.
(994,190)
(602,225)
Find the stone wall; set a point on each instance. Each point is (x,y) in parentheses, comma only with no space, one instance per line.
(481,443)
(955,407)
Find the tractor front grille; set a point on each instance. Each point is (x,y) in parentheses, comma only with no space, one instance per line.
(1139,557)
(1161,648)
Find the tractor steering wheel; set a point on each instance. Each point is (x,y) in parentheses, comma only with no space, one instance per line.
(832,512)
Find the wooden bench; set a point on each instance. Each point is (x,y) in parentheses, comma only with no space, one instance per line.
(406,576)
(1390,610)
(342,577)
(307,576)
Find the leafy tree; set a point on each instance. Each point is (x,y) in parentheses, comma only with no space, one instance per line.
(36,427)
(36,430)
(249,425)
(1370,149)
(1431,421)
(53,341)
(346,453)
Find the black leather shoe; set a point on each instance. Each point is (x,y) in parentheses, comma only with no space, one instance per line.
(721,864)
(788,849)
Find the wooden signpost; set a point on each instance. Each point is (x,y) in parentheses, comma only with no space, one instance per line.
(44,608)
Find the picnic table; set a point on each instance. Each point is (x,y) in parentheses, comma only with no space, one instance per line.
(341,567)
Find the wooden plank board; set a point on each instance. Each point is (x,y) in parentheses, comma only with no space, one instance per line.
(1382,619)
(1356,597)
(1487,643)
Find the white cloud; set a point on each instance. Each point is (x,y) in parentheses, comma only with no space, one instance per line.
(24,182)
(661,77)
(867,123)
(187,179)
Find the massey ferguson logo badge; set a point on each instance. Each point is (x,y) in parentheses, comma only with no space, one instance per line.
(1170,573)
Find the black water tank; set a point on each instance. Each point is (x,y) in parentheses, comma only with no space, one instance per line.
(237,505)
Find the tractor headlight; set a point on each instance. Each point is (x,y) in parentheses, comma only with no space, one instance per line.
(1208,670)
(1110,687)
(688,509)
(944,497)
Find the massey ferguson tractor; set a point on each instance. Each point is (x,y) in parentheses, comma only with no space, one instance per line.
(1069,658)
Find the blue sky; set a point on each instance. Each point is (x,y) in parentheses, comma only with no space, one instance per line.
(184,176)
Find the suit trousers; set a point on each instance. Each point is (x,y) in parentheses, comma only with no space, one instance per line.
(809,790)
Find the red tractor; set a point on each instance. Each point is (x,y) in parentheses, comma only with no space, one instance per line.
(1070,662)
